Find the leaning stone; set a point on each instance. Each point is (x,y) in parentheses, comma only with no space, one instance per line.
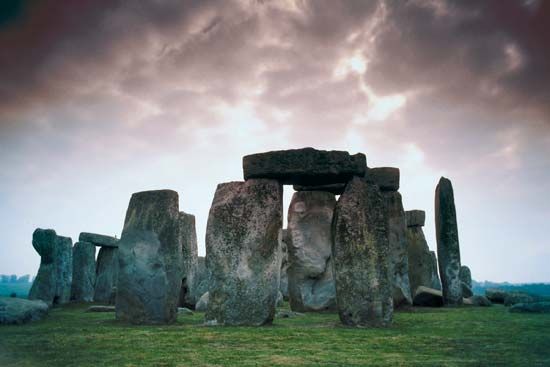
(336,189)
(106,274)
(242,252)
(188,235)
(428,297)
(99,240)
(535,307)
(150,259)
(448,248)
(420,259)
(387,178)
(436,282)
(306,167)
(44,286)
(397,238)
(310,280)
(101,309)
(19,311)
(415,218)
(480,301)
(82,288)
(496,295)
(360,253)
(202,303)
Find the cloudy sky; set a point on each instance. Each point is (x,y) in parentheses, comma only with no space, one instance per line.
(102,99)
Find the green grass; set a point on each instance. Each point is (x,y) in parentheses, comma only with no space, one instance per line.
(20,289)
(420,337)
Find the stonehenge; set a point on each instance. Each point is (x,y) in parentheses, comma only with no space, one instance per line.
(242,252)
(448,248)
(465,276)
(188,235)
(82,289)
(106,275)
(421,262)
(283,274)
(99,240)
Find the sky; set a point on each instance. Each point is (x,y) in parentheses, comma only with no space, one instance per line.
(99,100)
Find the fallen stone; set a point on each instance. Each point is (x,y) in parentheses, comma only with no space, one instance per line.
(184,311)
(82,288)
(150,259)
(101,309)
(99,240)
(310,281)
(480,301)
(188,235)
(398,256)
(106,275)
(428,297)
(20,311)
(242,252)
(202,303)
(387,178)
(536,307)
(415,218)
(448,248)
(336,189)
(284,314)
(496,295)
(305,167)
(44,286)
(360,254)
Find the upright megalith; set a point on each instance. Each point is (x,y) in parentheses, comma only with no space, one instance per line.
(82,289)
(106,275)
(150,259)
(448,248)
(202,277)
(420,258)
(305,167)
(360,253)
(242,252)
(53,281)
(436,282)
(188,236)
(466,281)
(309,241)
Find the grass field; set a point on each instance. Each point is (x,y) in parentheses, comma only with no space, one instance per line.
(420,337)
(20,289)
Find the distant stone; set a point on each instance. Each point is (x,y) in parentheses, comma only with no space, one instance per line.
(448,248)
(305,167)
(242,252)
(283,283)
(387,178)
(360,252)
(44,286)
(101,309)
(20,311)
(150,259)
(397,238)
(280,299)
(466,291)
(480,301)
(202,303)
(284,314)
(428,297)
(184,311)
(466,276)
(310,281)
(106,275)
(415,218)
(336,189)
(188,235)
(202,278)
(496,295)
(99,240)
(82,288)
(421,264)
(436,282)
(536,307)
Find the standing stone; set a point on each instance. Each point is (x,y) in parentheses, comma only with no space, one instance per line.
(397,238)
(466,280)
(448,248)
(202,278)
(360,253)
(188,235)
(310,280)
(106,275)
(242,252)
(44,286)
(150,259)
(64,267)
(436,282)
(420,258)
(82,289)
(283,283)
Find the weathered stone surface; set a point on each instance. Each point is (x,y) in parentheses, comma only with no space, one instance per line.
(398,256)
(360,254)
(415,218)
(310,281)
(496,295)
(20,311)
(466,276)
(106,275)
(305,166)
(202,303)
(448,248)
(387,178)
(283,282)
(242,252)
(64,267)
(101,309)
(188,235)
(99,240)
(150,259)
(202,278)
(480,301)
(466,291)
(44,286)
(420,259)
(336,189)
(82,288)
(436,282)
(428,297)
(536,307)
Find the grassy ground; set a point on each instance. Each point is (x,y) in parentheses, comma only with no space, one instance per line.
(420,337)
